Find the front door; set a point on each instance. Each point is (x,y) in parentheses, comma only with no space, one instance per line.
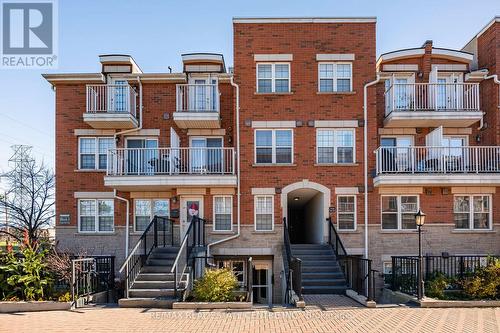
(262,282)
(190,206)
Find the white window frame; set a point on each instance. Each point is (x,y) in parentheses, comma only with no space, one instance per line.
(214,213)
(151,213)
(96,151)
(335,77)
(399,213)
(255,212)
(229,263)
(273,145)
(354,212)
(335,146)
(96,217)
(273,78)
(471,212)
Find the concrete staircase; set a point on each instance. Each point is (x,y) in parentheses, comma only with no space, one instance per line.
(154,286)
(321,273)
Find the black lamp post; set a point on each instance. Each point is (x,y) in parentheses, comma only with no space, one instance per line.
(419,221)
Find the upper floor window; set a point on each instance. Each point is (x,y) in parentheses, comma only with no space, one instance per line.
(273,77)
(96,215)
(335,145)
(223,212)
(93,153)
(335,77)
(472,211)
(273,146)
(398,211)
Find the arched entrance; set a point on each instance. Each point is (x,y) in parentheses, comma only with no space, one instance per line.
(305,205)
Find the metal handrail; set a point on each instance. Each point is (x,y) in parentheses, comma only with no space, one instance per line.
(294,266)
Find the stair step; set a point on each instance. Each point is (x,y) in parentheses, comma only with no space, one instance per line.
(323,282)
(160,262)
(313,252)
(147,302)
(163,255)
(155,292)
(167,249)
(329,263)
(155,269)
(156,284)
(322,275)
(323,269)
(305,257)
(324,289)
(157,277)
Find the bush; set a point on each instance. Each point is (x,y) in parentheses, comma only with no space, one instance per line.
(485,283)
(216,285)
(435,285)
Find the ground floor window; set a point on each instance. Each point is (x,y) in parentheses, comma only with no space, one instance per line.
(387,271)
(264,212)
(472,211)
(223,213)
(237,266)
(346,212)
(146,209)
(96,215)
(398,211)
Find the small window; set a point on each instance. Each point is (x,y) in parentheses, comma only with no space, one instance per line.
(335,77)
(273,77)
(146,209)
(346,212)
(387,271)
(93,153)
(398,211)
(238,268)
(223,210)
(96,215)
(335,146)
(472,212)
(273,146)
(264,213)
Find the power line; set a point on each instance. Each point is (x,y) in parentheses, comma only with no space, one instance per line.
(27,125)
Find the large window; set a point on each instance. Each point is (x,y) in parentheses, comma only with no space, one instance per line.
(335,77)
(93,153)
(273,146)
(96,215)
(398,211)
(146,209)
(346,212)
(223,212)
(273,77)
(264,213)
(472,211)
(335,146)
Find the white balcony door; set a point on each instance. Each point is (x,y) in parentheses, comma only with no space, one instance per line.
(205,157)
(175,154)
(449,91)
(202,94)
(402,94)
(456,157)
(399,157)
(432,160)
(140,160)
(118,96)
(190,206)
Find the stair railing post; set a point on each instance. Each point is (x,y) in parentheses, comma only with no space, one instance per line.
(155,231)
(369,294)
(172,231)
(175,281)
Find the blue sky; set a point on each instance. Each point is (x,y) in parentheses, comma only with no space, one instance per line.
(155,33)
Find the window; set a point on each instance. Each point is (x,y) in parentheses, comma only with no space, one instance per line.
(223,211)
(346,212)
(264,213)
(273,146)
(335,77)
(93,153)
(146,209)
(398,211)
(387,271)
(335,146)
(273,77)
(238,267)
(472,211)
(96,215)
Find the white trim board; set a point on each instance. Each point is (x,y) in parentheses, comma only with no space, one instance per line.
(336,123)
(273,57)
(335,57)
(274,124)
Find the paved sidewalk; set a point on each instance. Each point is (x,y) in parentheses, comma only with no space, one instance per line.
(348,319)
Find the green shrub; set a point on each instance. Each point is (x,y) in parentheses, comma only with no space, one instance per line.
(485,283)
(216,285)
(435,285)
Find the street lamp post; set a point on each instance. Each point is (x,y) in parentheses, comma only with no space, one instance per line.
(419,221)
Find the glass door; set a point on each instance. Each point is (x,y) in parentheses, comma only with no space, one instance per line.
(206,155)
(398,156)
(456,157)
(402,97)
(119,96)
(142,159)
(262,273)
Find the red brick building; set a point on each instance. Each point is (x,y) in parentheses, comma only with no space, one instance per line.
(272,154)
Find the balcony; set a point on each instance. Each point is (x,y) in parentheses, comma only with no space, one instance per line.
(111,106)
(133,169)
(429,166)
(197,106)
(432,105)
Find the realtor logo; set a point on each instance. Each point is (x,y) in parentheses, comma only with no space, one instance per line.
(28,34)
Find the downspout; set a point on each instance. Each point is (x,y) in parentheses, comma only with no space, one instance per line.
(238,187)
(127,216)
(365,156)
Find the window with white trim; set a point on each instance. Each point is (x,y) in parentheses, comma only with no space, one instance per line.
(472,212)
(398,211)
(93,152)
(273,146)
(346,212)
(273,77)
(264,212)
(335,146)
(238,268)
(96,215)
(335,77)
(146,209)
(223,213)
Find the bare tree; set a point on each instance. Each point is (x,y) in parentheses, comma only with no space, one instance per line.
(28,202)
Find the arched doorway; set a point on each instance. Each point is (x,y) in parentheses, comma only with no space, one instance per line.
(305,205)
